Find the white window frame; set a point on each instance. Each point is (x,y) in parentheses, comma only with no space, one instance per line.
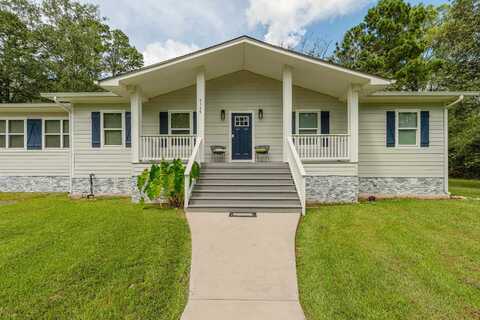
(190,130)
(397,128)
(102,129)
(61,134)
(7,133)
(297,121)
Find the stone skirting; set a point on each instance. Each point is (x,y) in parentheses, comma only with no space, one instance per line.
(102,185)
(34,184)
(402,186)
(331,189)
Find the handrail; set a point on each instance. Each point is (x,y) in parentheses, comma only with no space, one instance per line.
(158,147)
(298,172)
(193,157)
(322,146)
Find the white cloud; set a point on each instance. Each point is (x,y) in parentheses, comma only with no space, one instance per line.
(286,20)
(160,51)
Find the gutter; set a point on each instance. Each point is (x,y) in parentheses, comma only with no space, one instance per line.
(460,99)
(69,109)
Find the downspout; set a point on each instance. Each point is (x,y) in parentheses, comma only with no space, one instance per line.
(69,110)
(445,139)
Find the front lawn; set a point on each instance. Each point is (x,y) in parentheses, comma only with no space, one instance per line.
(464,187)
(100,259)
(396,259)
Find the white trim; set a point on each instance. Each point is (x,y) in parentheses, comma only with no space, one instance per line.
(445,149)
(230,158)
(397,128)
(102,130)
(190,112)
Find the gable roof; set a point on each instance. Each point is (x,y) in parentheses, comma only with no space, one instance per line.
(242,53)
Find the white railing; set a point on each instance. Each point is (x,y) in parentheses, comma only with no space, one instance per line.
(322,146)
(194,157)
(298,172)
(166,147)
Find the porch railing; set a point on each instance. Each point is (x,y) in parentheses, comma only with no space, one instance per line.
(298,172)
(194,157)
(167,147)
(322,146)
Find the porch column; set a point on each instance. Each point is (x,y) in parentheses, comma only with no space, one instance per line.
(287,107)
(352,106)
(136,98)
(201,109)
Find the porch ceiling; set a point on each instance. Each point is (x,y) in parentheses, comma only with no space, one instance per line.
(243,54)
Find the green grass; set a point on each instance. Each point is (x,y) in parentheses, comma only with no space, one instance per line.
(101,259)
(396,259)
(464,187)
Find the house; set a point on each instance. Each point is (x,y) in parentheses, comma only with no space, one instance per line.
(331,133)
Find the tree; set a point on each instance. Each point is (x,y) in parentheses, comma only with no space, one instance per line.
(393,42)
(69,40)
(21,74)
(457,42)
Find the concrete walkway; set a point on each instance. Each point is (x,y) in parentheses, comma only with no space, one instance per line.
(243,268)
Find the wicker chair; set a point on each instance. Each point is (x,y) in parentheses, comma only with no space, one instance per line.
(218,153)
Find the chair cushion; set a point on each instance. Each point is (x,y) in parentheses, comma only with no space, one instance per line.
(262,149)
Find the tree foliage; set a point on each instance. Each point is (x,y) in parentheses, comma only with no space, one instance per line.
(58,45)
(392,41)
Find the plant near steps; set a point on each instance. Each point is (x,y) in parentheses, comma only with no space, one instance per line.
(166,181)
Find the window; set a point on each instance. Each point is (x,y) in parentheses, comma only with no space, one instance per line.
(16,133)
(180,123)
(3,133)
(112,129)
(408,128)
(56,133)
(308,122)
(242,121)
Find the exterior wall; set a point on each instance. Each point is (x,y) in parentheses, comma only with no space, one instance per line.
(400,171)
(104,162)
(243,91)
(102,186)
(23,170)
(330,168)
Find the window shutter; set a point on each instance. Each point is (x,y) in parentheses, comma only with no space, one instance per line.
(34,134)
(128,129)
(325,122)
(163,122)
(294,122)
(96,130)
(390,129)
(424,128)
(194,116)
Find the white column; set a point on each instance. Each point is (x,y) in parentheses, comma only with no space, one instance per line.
(287,107)
(136,98)
(352,106)
(201,109)
(445,149)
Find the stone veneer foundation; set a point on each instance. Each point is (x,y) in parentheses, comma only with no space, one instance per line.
(34,184)
(402,186)
(331,189)
(102,186)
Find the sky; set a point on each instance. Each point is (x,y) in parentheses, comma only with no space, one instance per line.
(163,29)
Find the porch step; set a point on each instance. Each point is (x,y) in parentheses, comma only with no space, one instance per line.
(257,187)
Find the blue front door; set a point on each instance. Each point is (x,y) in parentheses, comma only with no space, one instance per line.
(241,136)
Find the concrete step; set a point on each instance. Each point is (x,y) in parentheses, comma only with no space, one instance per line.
(245,195)
(220,209)
(244,188)
(208,171)
(245,203)
(244,182)
(245,176)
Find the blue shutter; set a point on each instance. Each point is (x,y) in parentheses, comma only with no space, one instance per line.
(390,129)
(294,122)
(424,128)
(163,122)
(128,129)
(34,134)
(96,130)
(194,115)
(325,122)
